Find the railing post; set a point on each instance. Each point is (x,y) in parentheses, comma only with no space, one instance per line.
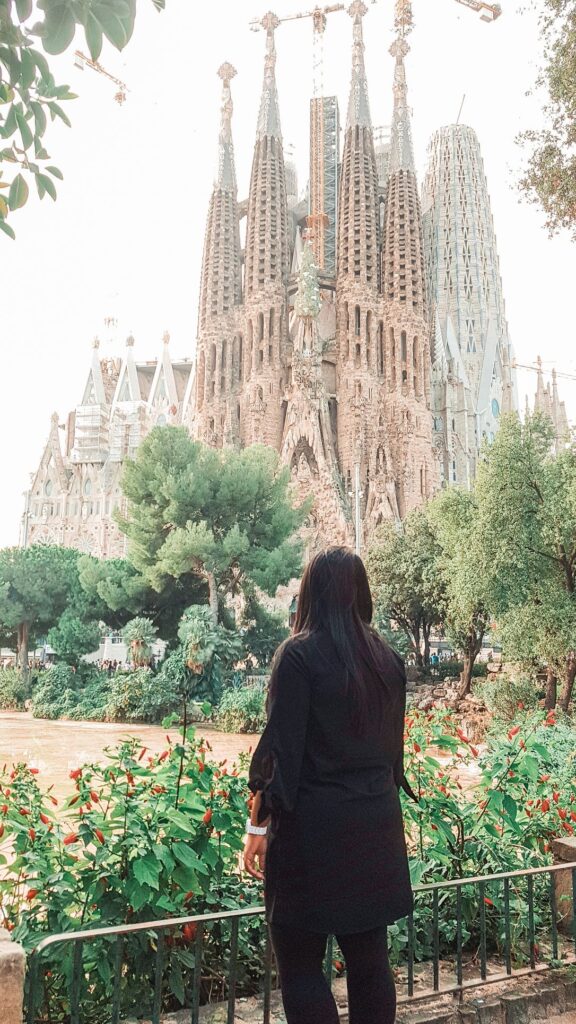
(12,972)
(564,851)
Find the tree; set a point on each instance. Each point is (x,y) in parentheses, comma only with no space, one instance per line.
(263,632)
(453,515)
(140,634)
(216,516)
(550,176)
(408,589)
(527,529)
(122,593)
(28,92)
(72,637)
(36,585)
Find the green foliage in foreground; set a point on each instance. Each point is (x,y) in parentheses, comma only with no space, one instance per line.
(29,95)
(145,836)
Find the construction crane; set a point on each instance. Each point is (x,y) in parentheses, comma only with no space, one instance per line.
(538,368)
(81,61)
(487,12)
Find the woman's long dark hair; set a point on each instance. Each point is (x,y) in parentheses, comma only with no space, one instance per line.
(335,597)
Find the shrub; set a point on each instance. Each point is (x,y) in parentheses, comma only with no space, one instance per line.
(454,668)
(141,696)
(242,709)
(62,692)
(505,696)
(13,690)
(140,838)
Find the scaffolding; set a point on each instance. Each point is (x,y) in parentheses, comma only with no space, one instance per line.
(324,159)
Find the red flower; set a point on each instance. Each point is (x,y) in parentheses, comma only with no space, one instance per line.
(207,816)
(1,831)
(32,834)
(520,705)
(201,765)
(543,778)
(99,835)
(189,931)
(163,755)
(54,801)
(34,771)
(545,805)
(573,815)
(474,750)
(556,796)
(76,774)
(461,735)
(23,812)
(4,808)
(417,749)
(142,752)
(488,901)
(189,896)
(562,813)
(513,732)
(71,839)
(44,819)
(32,893)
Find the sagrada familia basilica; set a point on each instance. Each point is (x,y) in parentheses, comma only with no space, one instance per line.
(361,331)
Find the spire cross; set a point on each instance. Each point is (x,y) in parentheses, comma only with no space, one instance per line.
(357,10)
(269,23)
(227,72)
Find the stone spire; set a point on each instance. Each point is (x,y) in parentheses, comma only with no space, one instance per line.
(269,114)
(308,301)
(401,149)
(226,179)
(403,251)
(266,266)
(220,288)
(358,106)
(358,221)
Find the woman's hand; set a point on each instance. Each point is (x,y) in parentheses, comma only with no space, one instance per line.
(255,850)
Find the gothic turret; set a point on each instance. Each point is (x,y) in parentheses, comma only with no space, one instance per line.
(221,288)
(267,264)
(357,269)
(407,334)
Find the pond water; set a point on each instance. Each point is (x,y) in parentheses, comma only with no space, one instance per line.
(56,748)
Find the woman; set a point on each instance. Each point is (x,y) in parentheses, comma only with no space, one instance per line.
(325,775)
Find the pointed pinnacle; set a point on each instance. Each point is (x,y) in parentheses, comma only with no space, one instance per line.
(227,72)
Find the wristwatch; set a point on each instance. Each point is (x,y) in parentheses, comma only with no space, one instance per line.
(255,830)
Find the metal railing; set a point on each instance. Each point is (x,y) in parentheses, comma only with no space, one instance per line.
(423,934)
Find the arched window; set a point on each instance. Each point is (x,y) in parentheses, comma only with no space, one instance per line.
(260,326)
(224,353)
(357,355)
(212,358)
(271,325)
(393,354)
(357,320)
(238,415)
(415,364)
(403,346)
(368,338)
(250,352)
(381,349)
(240,357)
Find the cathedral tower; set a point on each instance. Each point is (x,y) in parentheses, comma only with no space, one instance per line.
(357,270)
(267,264)
(473,378)
(406,337)
(219,348)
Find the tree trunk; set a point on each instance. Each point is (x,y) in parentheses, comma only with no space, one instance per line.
(213,596)
(570,674)
(466,676)
(551,689)
(426,632)
(23,637)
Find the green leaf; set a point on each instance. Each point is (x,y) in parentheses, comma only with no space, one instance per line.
(4,210)
(186,878)
(59,29)
(56,111)
(48,185)
(56,172)
(94,37)
(39,118)
(27,69)
(531,767)
(6,229)
(25,131)
(10,124)
(147,870)
(189,858)
(110,25)
(510,806)
(19,192)
(41,63)
(23,9)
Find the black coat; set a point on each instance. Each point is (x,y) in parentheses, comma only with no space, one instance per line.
(336,858)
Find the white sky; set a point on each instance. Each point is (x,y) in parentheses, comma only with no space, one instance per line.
(125,237)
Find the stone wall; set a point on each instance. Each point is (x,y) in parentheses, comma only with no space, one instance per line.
(12,972)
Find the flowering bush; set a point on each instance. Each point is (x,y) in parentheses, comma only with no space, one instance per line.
(522,793)
(142,837)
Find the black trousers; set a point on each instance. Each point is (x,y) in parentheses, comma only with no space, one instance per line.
(306,993)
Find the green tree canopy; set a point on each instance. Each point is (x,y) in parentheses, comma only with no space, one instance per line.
(219,516)
(527,530)
(404,577)
(36,585)
(453,515)
(29,95)
(550,176)
(73,637)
